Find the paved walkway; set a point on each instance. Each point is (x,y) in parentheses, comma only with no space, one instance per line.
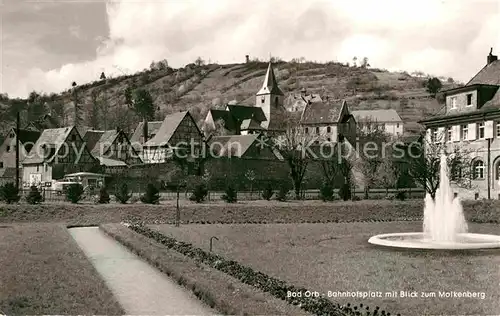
(139,288)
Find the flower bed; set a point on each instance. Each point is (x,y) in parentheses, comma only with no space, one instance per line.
(316,305)
(244,212)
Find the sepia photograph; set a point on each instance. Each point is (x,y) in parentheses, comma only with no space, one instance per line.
(231,157)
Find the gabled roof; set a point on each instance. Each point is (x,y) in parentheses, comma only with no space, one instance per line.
(27,135)
(136,139)
(243,112)
(250,124)
(97,139)
(489,75)
(232,145)
(53,139)
(382,116)
(270,85)
(167,129)
(224,115)
(322,112)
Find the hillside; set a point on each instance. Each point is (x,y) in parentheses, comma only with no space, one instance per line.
(199,88)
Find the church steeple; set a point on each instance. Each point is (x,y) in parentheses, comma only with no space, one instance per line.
(270,85)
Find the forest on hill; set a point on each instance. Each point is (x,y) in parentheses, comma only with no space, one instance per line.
(122,101)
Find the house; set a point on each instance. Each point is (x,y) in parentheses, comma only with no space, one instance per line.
(178,130)
(137,139)
(297,103)
(57,151)
(329,121)
(386,120)
(27,138)
(241,146)
(112,148)
(470,119)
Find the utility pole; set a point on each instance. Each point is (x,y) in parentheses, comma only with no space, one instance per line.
(18,123)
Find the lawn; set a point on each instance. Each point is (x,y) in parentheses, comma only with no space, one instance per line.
(337,257)
(44,272)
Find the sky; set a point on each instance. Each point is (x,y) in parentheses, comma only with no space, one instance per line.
(45,45)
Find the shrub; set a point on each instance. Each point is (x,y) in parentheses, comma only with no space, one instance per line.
(282,195)
(326,191)
(74,192)
(152,195)
(231,196)
(200,193)
(401,195)
(9,193)
(123,195)
(356,198)
(34,196)
(345,192)
(268,192)
(103,196)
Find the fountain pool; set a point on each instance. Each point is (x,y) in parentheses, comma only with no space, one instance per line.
(444,224)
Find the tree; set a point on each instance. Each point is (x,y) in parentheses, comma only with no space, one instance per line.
(143,104)
(354,60)
(122,195)
(387,174)
(36,106)
(364,63)
(337,169)
(94,112)
(423,165)
(103,76)
(433,85)
(199,62)
(295,147)
(367,163)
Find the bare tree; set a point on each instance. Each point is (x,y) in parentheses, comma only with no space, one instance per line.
(424,164)
(387,174)
(295,147)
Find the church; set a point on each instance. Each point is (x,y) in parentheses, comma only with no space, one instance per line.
(329,120)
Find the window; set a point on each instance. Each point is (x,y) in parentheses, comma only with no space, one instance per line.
(397,125)
(73,137)
(328,129)
(498,128)
(262,99)
(456,171)
(435,135)
(497,171)
(46,167)
(306,130)
(478,169)
(11,135)
(276,101)
(480,130)
(317,130)
(7,148)
(453,102)
(1,164)
(469,99)
(449,131)
(37,168)
(329,139)
(464,131)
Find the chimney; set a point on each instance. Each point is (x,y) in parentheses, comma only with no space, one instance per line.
(247,59)
(491,57)
(145,130)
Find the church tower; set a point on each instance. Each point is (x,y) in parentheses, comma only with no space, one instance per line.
(270,97)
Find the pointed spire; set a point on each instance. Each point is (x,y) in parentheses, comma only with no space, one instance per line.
(270,85)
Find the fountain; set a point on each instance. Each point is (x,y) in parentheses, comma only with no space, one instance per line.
(444,224)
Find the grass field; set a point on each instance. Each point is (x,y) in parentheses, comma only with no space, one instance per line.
(43,272)
(337,257)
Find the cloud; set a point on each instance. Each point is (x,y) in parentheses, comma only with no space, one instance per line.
(450,38)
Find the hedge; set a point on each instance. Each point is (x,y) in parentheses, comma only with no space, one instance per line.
(277,288)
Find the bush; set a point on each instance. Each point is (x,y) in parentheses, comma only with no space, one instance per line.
(345,192)
(282,195)
(74,192)
(268,192)
(123,195)
(200,193)
(356,198)
(152,195)
(103,196)
(401,195)
(34,196)
(326,191)
(231,196)
(9,193)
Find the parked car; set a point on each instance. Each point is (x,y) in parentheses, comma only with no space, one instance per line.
(60,186)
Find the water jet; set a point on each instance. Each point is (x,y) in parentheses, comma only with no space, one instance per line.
(444,225)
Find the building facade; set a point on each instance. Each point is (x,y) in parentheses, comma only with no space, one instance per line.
(388,121)
(470,120)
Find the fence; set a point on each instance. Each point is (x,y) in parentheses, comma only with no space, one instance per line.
(57,196)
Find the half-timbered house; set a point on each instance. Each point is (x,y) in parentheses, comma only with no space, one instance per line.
(178,130)
(57,151)
(112,148)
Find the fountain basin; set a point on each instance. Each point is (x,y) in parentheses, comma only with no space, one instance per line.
(465,241)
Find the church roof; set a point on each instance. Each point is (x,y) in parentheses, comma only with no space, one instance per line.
(322,112)
(270,85)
